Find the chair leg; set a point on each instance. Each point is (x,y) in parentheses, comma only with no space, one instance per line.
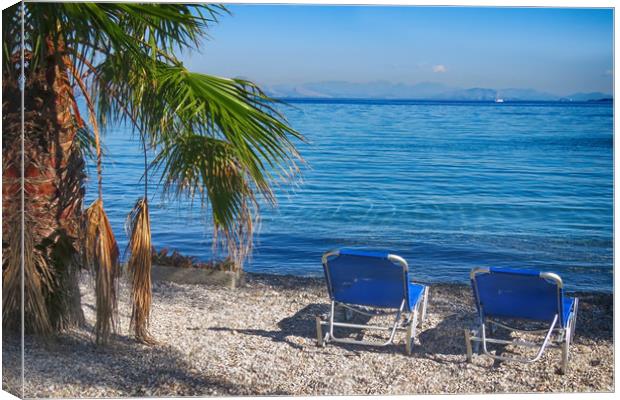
(408,339)
(411,328)
(574,320)
(319,333)
(468,344)
(565,350)
(425,304)
(541,350)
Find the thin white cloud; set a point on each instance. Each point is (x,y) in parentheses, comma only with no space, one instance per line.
(439,68)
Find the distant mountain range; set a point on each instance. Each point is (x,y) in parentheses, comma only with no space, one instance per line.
(419,91)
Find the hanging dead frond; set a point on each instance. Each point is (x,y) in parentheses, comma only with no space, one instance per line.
(103,257)
(138,228)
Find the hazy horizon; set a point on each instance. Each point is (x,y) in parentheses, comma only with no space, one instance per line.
(420,90)
(555,50)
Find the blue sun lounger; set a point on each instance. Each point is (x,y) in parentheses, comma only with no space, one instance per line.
(371,283)
(504,296)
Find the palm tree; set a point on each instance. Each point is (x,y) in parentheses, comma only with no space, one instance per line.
(216,139)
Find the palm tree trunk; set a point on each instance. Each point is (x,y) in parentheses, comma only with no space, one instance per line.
(54,176)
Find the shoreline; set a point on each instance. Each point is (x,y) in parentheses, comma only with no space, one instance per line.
(320,280)
(259,339)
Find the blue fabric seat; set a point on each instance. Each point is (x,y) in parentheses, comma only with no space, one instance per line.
(416,292)
(569,306)
(375,279)
(379,294)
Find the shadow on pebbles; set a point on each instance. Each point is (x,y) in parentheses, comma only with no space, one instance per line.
(259,339)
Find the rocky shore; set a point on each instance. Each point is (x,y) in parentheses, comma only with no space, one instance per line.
(259,339)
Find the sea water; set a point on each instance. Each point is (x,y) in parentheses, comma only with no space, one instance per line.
(448,186)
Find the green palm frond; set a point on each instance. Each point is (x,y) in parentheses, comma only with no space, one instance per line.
(204,167)
(208,168)
(172,107)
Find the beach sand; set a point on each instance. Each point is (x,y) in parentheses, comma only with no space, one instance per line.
(260,339)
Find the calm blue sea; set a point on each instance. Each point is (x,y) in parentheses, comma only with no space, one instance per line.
(449,186)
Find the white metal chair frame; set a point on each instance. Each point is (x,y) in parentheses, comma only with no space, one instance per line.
(409,323)
(563,339)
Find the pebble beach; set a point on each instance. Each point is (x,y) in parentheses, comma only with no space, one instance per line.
(259,339)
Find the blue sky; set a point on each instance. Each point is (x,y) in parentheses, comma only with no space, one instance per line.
(560,51)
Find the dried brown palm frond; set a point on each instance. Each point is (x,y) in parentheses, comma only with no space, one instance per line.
(102,256)
(38,282)
(138,227)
